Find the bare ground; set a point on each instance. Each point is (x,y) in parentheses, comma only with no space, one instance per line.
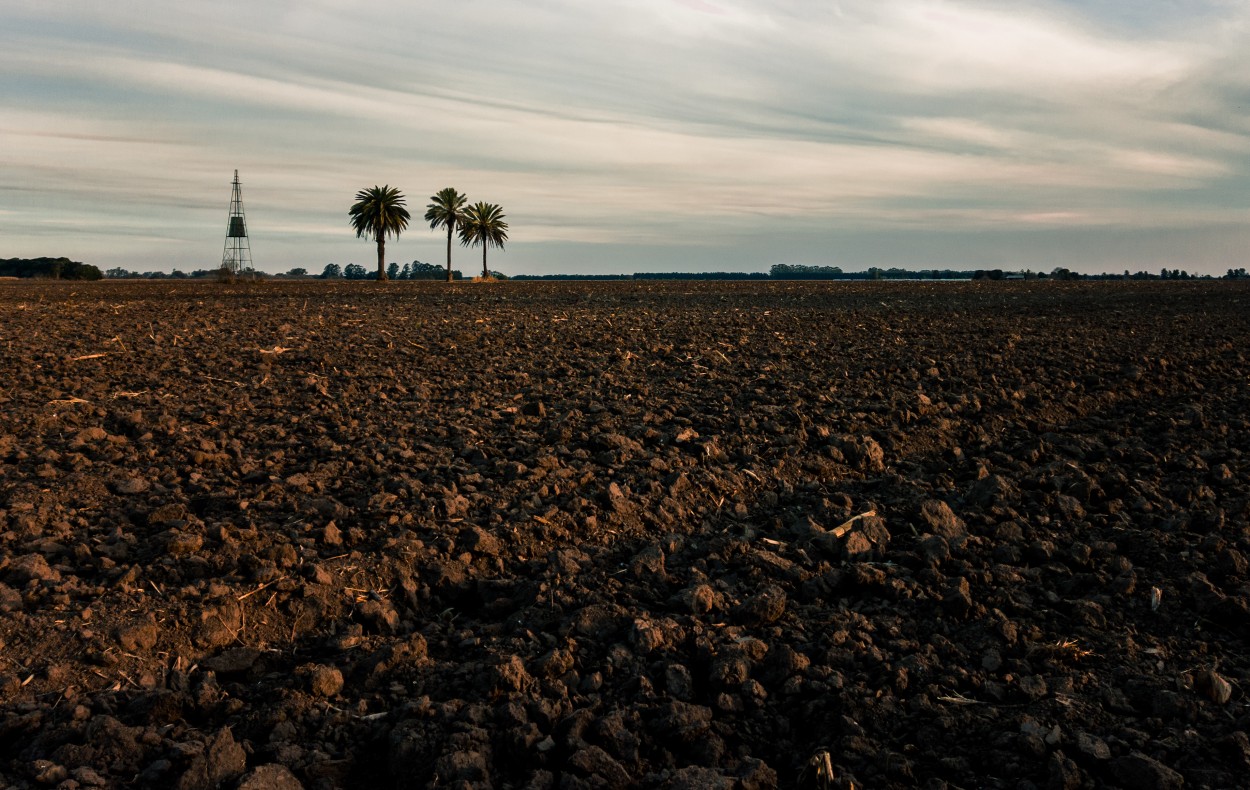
(656,535)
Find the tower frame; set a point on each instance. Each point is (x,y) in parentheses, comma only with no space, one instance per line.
(236,256)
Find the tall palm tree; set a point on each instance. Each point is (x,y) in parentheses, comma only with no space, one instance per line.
(446,210)
(379,211)
(483,224)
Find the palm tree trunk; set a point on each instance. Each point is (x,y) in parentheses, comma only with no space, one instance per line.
(450,227)
(381,257)
(485,271)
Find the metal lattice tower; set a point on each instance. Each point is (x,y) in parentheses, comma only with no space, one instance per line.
(237,256)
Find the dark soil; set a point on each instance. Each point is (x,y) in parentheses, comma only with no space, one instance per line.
(272,536)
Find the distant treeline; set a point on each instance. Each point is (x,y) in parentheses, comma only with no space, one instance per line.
(332,271)
(786,271)
(66,269)
(410,271)
(48,268)
(649,276)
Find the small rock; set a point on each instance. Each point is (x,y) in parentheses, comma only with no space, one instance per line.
(324,681)
(593,761)
(180,544)
(131,485)
(597,621)
(993,490)
(678,682)
(223,759)
(140,636)
(319,575)
(30,567)
(47,772)
(934,549)
(512,676)
(863,453)
(1213,685)
(88,777)
(233,661)
(766,606)
(941,520)
(1145,773)
(698,599)
(479,541)
(617,500)
(89,436)
(648,563)
(694,777)
(1092,746)
(10,599)
(554,664)
(1033,686)
(380,615)
(806,527)
(1064,774)
(273,776)
(857,545)
(684,722)
(957,597)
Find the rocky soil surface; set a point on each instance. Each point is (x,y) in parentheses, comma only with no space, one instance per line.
(272,536)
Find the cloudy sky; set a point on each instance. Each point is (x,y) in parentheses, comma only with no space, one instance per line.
(641,135)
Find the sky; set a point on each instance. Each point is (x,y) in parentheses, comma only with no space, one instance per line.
(641,135)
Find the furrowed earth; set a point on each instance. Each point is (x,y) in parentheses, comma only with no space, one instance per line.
(678,535)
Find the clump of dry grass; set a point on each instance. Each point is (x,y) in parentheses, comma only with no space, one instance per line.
(1062,650)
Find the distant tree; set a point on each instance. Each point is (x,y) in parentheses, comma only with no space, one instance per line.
(56,268)
(802,271)
(483,224)
(379,212)
(298,271)
(430,271)
(332,271)
(117,273)
(406,272)
(392,271)
(446,210)
(354,271)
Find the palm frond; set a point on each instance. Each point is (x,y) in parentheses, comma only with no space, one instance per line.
(483,224)
(379,211)
(446,208)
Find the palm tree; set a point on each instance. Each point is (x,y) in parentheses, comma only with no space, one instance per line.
(379,211)
(483,224)
(446,210)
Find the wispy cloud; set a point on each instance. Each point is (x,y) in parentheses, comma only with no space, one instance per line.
(651,122)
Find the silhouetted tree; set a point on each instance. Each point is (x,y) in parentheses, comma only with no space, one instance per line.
(379,212)
(483,224)
(446,210)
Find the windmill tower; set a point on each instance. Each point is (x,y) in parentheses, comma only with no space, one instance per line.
(237,256)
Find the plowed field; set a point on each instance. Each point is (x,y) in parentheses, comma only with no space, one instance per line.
(680,535)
